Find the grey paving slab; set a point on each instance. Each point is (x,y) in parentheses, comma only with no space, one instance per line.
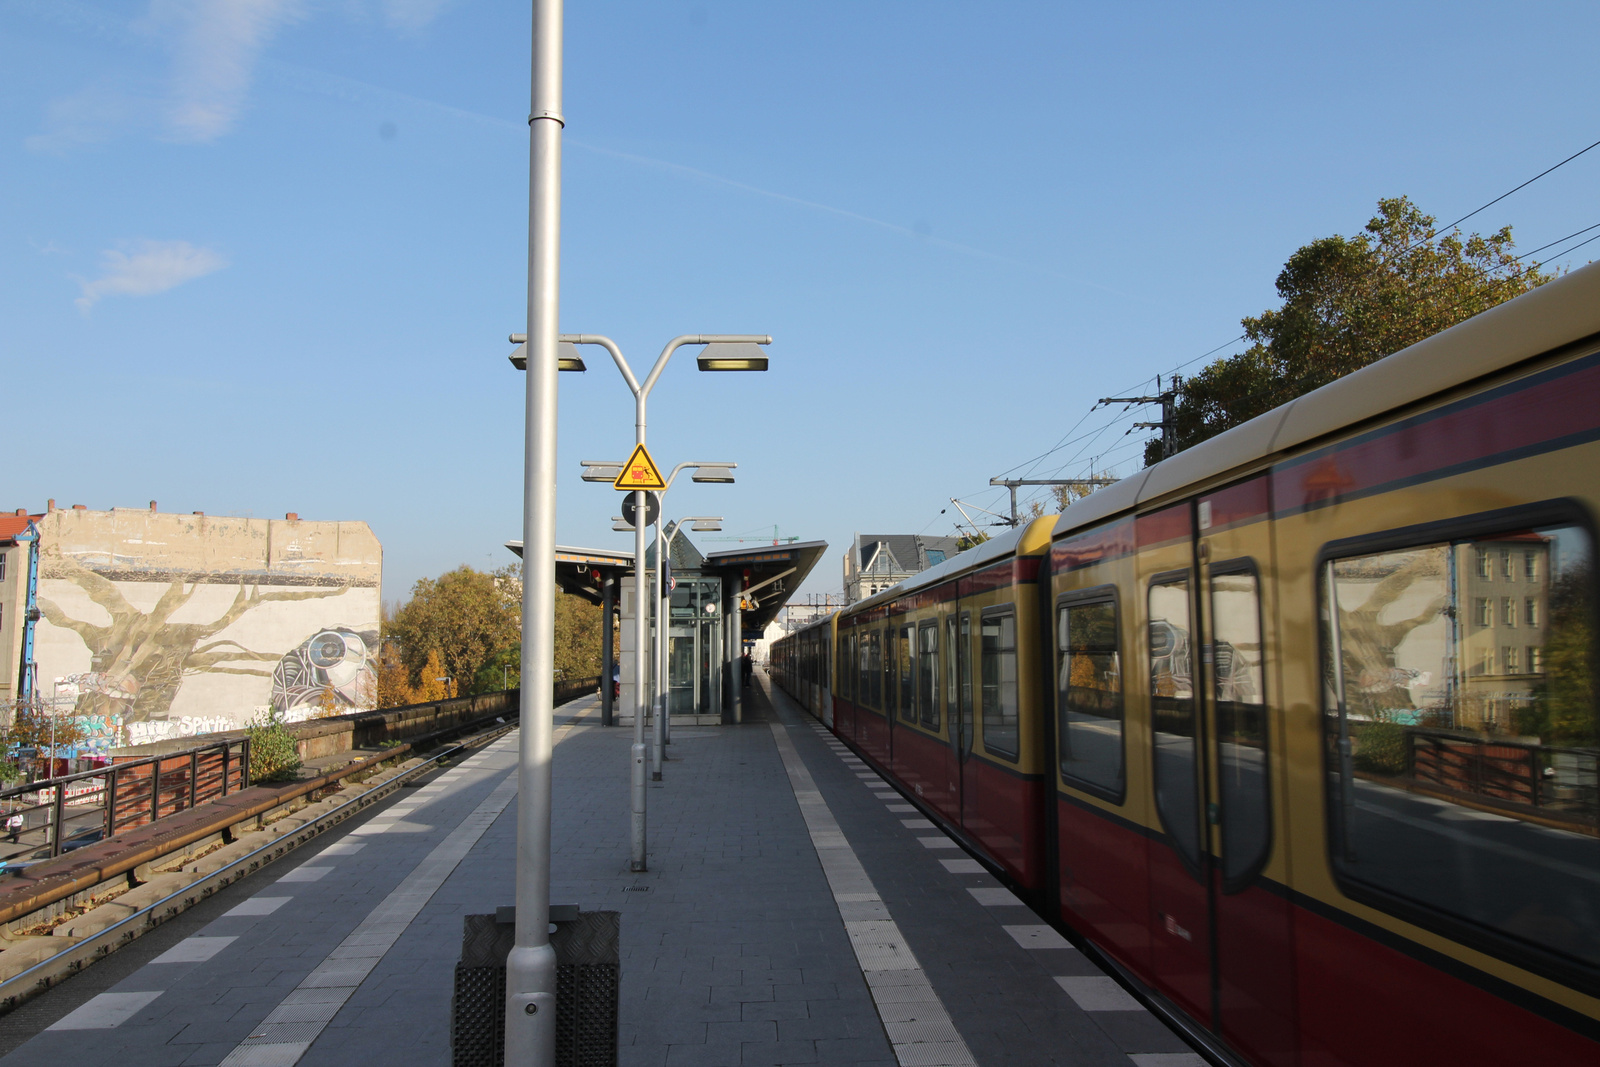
(734,949)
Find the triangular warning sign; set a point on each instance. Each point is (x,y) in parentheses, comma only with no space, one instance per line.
(640,472)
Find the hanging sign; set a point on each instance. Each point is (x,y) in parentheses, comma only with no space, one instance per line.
(640,472)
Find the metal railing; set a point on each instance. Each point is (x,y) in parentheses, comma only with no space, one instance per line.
(1560,782)
(43,819)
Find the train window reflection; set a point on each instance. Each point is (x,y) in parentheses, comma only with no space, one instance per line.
(999,665)
(906,650)
(1173,710)
(1238,687)
(928,674)
(1090,686)
(1464,777)
(964,672)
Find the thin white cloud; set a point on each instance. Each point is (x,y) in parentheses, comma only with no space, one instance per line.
(96,113)
(215,52)
(147,268)
(412,15)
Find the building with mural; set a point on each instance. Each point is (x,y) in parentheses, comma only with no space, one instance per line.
(158,625)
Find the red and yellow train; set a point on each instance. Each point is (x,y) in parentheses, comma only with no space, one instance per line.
(1296,729)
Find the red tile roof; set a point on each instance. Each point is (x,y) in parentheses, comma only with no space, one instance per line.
(11,525)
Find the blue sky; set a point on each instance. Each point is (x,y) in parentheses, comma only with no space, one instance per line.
(261,256)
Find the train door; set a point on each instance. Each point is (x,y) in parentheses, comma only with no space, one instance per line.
(950,686)
(1253,983)
(961,736)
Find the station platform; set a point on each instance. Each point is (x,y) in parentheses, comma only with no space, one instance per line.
(796,911)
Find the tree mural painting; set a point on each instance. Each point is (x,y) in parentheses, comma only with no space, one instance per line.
(142,659)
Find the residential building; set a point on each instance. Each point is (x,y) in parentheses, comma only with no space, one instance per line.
(877,561)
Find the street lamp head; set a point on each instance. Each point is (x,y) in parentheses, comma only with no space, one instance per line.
(724,355)
(707,525)
(621,525)
(567,357)
(599,470)
(719,474)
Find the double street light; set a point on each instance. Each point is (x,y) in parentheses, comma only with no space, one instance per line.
(721,352)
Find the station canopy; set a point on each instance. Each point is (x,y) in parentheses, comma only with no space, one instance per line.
(769,574)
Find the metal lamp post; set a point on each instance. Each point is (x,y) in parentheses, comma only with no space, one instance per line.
(722,352)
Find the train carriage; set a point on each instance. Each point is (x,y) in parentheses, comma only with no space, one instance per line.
(1297,729)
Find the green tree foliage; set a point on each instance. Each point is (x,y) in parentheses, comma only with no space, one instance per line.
(1563,708)
(470,622)
(463,617)
(1347,302)
(274,755)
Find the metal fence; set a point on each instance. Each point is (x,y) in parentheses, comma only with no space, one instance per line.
(1560,782)
(46,818)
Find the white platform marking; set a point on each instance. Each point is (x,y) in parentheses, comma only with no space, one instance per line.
(925,1037)
(194,950)
(104,1012)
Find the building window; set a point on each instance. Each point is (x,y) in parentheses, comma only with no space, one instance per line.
(1530,566)
(998,662)
(2,566)
(1535,659)
(1512,659)
(1508,610)
(1485,612)
(1485,569)
(1488,661)
(1530,611)
(935,557)
(1505,565)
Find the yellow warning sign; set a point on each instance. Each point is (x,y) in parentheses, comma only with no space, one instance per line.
(640,472)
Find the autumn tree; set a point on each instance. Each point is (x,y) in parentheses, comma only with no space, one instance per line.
(1348,302)
(462,618)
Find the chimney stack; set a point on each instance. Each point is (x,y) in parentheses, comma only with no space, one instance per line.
(199,513)
(79,507)
(50,505)
(152,505)
(22,513)
(292,516)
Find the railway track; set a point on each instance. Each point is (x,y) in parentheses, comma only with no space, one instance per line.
(65,935)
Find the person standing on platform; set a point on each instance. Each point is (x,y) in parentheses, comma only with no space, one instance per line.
(745,667)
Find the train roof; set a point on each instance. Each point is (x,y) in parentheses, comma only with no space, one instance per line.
(1555,314)
(1032,537)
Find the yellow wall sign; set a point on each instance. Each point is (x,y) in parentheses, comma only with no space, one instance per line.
(640,472)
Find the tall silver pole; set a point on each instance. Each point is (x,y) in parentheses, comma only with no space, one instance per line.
(531,967)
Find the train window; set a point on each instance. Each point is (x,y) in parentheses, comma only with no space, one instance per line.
(1239,689)
(928,674)
(999,665)
(907,649)
(872,666)
(1090,692)
(1172,708)
(964,673)
(1465,786)
(950,663)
